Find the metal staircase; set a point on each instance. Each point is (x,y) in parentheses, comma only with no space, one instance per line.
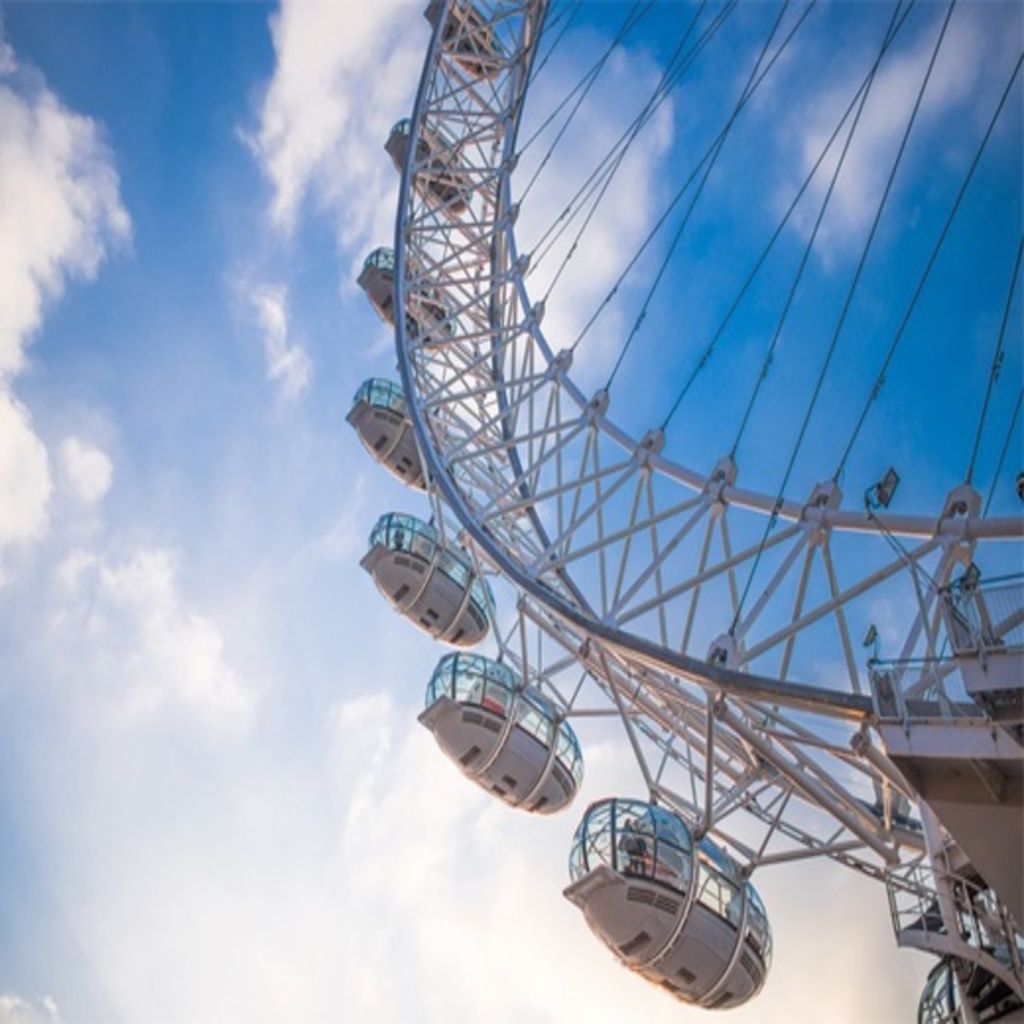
(967,761)
(964,923)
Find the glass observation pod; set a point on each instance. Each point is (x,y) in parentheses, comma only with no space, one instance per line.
(440,178)
(991,999)
(381,419)
(434,586)
(940,1000)
(508,740)
(671,908)
(425,312)
(468,39)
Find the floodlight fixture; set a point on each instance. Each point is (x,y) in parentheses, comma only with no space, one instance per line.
(886,487)
(969,580)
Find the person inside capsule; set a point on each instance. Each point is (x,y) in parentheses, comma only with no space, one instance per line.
(494,698)
(634,847)
(640,839)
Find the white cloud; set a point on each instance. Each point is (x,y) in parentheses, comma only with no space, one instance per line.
(60,207)
(24,475)
(87,469)
(7,61)
(72,566)
(14,1009)
(288,364)
(951,97)
(60,210)
(126,625)
(628,208)
(344,73)
(378,884)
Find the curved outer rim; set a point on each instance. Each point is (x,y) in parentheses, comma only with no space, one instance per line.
(636,649)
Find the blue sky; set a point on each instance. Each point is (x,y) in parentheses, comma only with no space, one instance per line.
(215,803)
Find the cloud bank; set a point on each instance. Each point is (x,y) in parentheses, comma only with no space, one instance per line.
(14,1009)
(343,74)
(124,625)
(60,214)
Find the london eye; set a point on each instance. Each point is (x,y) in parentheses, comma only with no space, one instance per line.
(756,501)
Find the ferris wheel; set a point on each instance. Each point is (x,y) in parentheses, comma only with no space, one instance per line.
(619,569)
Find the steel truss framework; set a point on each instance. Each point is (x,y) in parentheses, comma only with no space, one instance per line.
(625,563)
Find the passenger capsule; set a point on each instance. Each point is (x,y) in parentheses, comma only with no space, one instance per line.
(468,39)
(675,910)
(381,418)
(439,177)
(508,740)
(426,311)
(434,586)
(940,1001)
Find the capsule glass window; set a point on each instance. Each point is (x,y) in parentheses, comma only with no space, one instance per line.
(472,679)
(533,718)
(383,259)
(567,750)
(715,890)
(757,923)
(383,394)
(633,838)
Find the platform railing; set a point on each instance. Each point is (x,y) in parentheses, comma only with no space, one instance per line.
(985,626)
(980,931)
(921,690)
(985,615)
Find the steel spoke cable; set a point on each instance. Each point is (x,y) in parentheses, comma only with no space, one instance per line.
(552,20)
(549,26)
(595,68)
(1006,448)
(599,178)
(576,107)
(669,79)
(636,13)
(926,272)
(606,173)
(665,214)
(684,220)
(583,193)
(848,301)
(997,360)
(919,571)
(805,258)
(776,234)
